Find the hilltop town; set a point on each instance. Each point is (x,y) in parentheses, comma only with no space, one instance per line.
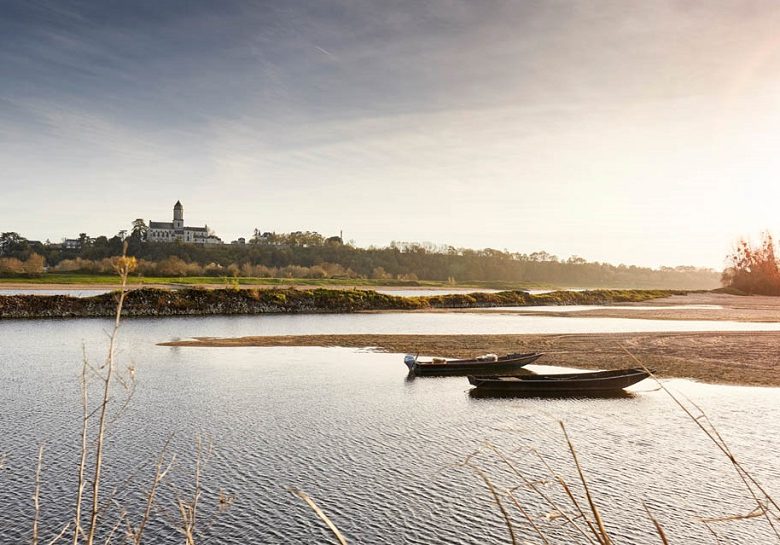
(174,231)
(174,249)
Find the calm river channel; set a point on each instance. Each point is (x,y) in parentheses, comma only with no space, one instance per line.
(378,452)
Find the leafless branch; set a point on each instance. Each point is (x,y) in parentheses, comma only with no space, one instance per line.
(124,266)
(37,496)
(602,535)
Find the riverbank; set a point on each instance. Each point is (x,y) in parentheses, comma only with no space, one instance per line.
(203,302)
(52,281)
(744,358)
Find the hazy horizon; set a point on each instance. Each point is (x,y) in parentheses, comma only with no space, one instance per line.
(643,134)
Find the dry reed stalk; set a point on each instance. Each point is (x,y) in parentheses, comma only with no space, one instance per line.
(37,496)
(570,494)
(750,482)
(124,266)
(320,514)
(599,530)
(755,513)
(159,474)
(497,500)
(763,509)
(115,527)
(188,508)
(77,533)
(106,375)
(657,525)
(714,534)
(747,479)
(186,517)
(528,517)
(573,499)
(546,497)
(602,533)
(59,536)
(187,525)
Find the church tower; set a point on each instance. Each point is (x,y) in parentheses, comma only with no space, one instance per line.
(178,216)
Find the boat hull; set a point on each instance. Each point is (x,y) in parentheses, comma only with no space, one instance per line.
(504,366)
(602,382)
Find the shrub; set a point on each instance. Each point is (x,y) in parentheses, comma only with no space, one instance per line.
(34,264)
(11,265)
(753,270)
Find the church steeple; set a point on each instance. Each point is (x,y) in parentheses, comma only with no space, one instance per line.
(178,215)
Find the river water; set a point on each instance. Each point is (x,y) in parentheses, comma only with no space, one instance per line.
(70,292)
(378,452)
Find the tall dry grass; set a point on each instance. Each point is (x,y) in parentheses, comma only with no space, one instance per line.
(578,507)
(97,514)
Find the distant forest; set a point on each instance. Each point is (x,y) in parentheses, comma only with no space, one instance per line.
(308,255)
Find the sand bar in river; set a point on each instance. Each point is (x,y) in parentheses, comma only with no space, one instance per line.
(729,358)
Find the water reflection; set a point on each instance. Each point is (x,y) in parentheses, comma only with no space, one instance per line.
(435,323)
(409,292)
(478,393)
(83,292)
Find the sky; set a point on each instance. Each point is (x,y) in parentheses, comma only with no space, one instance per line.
(643,133)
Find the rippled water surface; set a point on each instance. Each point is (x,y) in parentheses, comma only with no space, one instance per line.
(430,323)
(71,292)
(408,292)
(375,450)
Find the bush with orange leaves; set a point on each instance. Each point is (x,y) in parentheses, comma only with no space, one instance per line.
(753,269)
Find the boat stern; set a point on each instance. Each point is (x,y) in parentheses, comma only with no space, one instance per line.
(410,360)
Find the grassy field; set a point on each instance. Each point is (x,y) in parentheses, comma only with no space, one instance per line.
(109,280)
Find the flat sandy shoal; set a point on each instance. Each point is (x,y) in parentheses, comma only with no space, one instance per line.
(746,358)
(754,308)
(734,308)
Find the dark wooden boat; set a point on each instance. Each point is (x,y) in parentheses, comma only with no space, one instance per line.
(499,365)
(598,382)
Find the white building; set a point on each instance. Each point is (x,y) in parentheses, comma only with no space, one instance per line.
(161,231)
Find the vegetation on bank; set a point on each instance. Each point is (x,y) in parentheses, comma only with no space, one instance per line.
(97,511)
(109,280)
(194,301)
(753,269)
(293,257)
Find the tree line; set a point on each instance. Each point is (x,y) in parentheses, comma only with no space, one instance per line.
(321,257)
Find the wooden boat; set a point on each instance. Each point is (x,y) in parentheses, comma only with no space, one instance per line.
(599,382)
(483,365)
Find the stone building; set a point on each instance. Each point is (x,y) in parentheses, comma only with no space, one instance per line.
(161,231)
